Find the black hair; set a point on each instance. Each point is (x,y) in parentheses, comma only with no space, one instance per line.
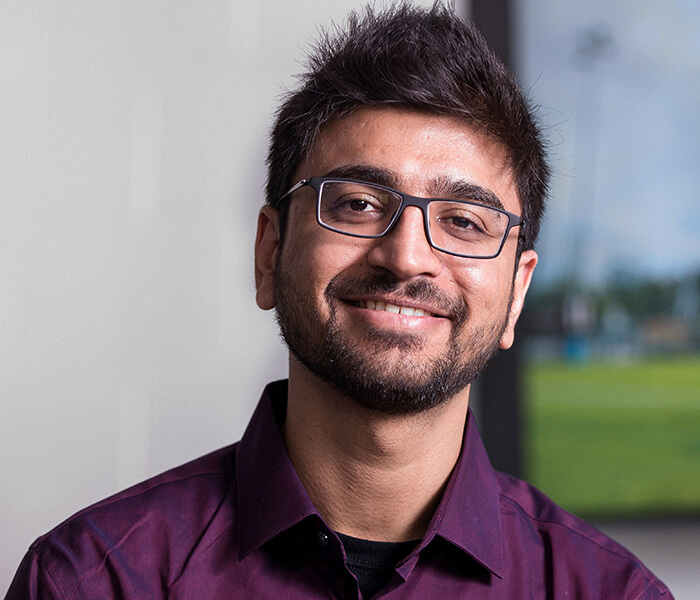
(422,59)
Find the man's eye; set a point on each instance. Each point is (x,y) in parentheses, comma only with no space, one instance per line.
(361,204)
(462,222)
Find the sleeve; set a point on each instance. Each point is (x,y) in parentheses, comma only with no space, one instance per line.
(32,581)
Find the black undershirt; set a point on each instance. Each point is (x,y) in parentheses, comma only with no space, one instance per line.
(373,563)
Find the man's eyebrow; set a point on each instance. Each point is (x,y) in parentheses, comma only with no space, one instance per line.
(444,187)
(365,173)
(441,187)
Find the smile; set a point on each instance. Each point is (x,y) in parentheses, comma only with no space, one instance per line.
(392,308)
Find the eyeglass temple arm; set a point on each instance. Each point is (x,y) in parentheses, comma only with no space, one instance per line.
(294,188)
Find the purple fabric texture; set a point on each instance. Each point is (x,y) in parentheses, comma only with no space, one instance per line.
(238,523)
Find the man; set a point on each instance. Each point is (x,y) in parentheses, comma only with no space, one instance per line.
(406,184)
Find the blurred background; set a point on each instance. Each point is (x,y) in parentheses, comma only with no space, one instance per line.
(132,146)
(610,343)
(613,329)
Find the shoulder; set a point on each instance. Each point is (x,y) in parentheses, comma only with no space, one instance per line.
(198,484)
(151,527)
(212,473)
(573,552)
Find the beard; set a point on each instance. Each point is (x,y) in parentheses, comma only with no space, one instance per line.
(386,372)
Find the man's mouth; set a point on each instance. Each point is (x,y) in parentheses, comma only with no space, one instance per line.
(393,308)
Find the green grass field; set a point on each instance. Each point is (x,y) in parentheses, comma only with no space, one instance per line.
(609,440)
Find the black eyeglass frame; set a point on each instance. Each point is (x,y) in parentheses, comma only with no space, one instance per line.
(316,183)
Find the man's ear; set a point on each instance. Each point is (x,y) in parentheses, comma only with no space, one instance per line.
(266,249)
(521,283)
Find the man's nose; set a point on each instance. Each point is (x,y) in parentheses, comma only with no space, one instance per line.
(405,250)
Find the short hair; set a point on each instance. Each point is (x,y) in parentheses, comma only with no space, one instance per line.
(422,59)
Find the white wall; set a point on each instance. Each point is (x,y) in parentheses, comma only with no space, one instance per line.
(132,140)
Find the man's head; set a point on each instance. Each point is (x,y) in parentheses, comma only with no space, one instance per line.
(410,99)
(425,60)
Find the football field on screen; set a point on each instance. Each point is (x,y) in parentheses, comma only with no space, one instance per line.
(616,439)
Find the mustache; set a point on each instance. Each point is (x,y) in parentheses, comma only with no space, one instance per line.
(385,282)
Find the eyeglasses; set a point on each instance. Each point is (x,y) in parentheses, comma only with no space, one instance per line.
(367,210)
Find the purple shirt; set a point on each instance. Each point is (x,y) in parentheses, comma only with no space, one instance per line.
(238,524)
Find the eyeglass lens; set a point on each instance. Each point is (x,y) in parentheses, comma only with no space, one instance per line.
(366,210)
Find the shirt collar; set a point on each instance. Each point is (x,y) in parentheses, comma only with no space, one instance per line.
(468,515)
(271,498)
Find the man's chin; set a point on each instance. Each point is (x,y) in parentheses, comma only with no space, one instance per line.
(394,342)
(393,381)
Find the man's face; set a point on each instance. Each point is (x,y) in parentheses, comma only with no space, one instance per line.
(337,296)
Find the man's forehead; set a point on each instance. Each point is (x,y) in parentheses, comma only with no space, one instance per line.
(414,152)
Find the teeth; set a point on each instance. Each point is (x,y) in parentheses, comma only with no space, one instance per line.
(385,306)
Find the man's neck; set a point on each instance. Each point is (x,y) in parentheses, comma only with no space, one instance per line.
(371,476)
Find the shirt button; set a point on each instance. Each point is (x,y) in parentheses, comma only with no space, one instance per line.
(323,537)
